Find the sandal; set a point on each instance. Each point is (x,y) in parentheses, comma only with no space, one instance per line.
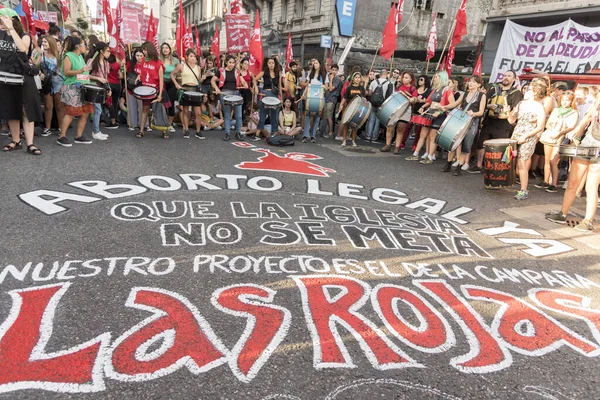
(139,135)
(32,149)
(165,135)
(12,146)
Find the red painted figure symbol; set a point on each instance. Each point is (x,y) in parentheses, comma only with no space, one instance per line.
(294,163)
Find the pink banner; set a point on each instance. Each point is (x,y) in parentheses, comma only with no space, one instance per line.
(144,24)
(99,12)
(132,19)
(51,16)
(238,33)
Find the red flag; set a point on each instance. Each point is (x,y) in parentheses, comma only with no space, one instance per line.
(389,36)
(64,9)
(107,15)
(256,49)
(236,7)
(180,32)
(28,15)
(477,68)
(187,40)
(432,40)
(198,46)
(399,12)
(460,29)
(289,52)
(152,27)
(215,47)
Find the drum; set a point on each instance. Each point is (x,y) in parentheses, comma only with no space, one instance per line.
(233,100)
(315,99)
(357,112)
(453,130)
(422,120)
(568,150)
(393,109)
(144,93)
(93,94)
(191,98)
(499,163)
(270,102)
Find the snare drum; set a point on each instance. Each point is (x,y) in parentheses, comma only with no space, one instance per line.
(499,166)
(356,113)
(569,150)
(422,120)
(270,102)
(233,100)
(453,130)
(314,99)
(93,94)
(191,98)
(144,93)
(394,108)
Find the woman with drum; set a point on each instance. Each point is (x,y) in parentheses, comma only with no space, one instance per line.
(473,102)
(225,83)
(355,89)
(406,86)
(189,91)
(75,71)
(170,63)
(431,116)
(134,69)
(152,75)
(19,100)
(50,66)
(317,78)
(562,121)
(587,168)
(531,119)
(272,86)
(287,119)
(423,92)
(99,68)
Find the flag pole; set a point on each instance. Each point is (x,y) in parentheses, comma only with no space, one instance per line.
(446,44)
(126,91)
(376,52)
(427,68)
(392,62)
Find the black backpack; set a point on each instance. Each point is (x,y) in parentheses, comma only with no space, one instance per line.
(280,140)
(378,97)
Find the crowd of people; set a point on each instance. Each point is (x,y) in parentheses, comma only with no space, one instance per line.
(203,93)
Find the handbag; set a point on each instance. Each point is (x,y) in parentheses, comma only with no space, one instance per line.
(47,81)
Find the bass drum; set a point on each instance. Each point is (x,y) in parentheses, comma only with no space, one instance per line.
(93,94)
(499,163)
(356,113)
(314,99)
(453,130)
(393,109)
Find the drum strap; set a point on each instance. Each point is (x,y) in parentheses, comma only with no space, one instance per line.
(195,76)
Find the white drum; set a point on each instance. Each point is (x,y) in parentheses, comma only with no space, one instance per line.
(144,93)
(271,102)
(233,100)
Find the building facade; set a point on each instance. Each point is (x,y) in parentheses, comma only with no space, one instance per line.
(534,13)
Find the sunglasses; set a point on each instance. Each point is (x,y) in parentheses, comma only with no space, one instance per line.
(396,72)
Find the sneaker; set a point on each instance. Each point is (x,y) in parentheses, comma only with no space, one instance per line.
(432,158)
(82,140)
(566,184)
(397,151)
(447,167)
(402,146)
(256,138)
(5,133)
(304,140)
(205,128)
(343,143)
(226,137)
(457,170)
(186,134)
(475,170)
(46,132)
(426,161)
(112,126)
(385,149)
(354,144)
(557,217)
(522,195)
(313,140)
(585,226)
(219,128)
(424,156)
(171,128)
(551,189)
(148,129)
(455,163)
(339,138)
(132,128)
(239,137)
(64,141)
(412,158)
(368,140)
(99,136)
(199,135)
(542,185)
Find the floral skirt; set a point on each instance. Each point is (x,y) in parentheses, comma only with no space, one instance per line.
(75,106)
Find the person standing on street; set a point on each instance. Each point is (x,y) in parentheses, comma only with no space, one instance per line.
(332,92)
(98,62)
(378,92)
(50,66)
(152,74)
(316,76)
(225,83)
(272,85)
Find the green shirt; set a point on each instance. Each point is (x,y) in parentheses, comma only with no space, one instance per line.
(170,67)
(77,63)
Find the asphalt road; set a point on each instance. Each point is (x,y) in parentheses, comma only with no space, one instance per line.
(211,270)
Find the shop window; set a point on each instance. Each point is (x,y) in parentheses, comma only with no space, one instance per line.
(299,9)
(269,12)
(317,7)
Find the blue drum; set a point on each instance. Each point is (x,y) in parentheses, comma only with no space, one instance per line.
(453,130)
(314,99)
(394,108)
(356,113)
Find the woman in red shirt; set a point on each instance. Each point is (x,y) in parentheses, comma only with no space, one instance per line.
(435,106)
(152,74)
(405,85)
(134,66)
(114,80)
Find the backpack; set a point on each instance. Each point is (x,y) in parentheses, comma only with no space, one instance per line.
(378,97)
(280,140)
(160,120)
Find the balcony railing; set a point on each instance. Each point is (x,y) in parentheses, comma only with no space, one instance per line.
(503,4)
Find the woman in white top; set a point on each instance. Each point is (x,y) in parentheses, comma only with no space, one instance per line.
(316,76)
